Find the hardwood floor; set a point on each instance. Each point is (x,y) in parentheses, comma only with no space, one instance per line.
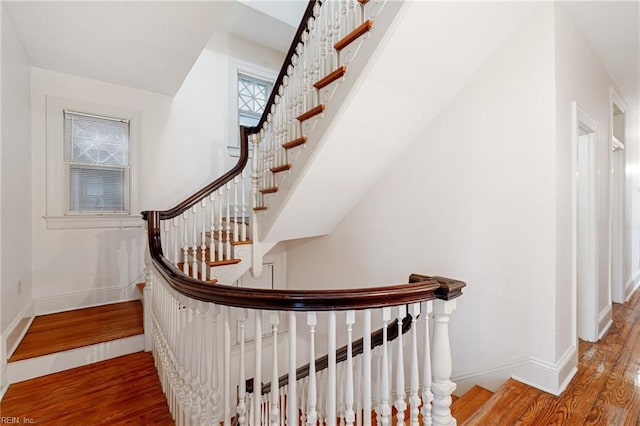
(605,391)
(73,329)
(119,391)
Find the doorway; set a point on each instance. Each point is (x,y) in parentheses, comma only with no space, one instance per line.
(617,207)
(586,141)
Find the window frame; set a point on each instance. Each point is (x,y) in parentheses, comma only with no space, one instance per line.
(58,215)
(250,70)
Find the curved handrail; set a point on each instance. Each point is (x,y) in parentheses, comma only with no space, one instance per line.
(357,348)
(293,300)
(213,186)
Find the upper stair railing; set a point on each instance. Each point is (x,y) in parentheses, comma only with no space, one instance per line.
(204,336)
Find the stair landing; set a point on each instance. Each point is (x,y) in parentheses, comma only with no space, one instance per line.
(82,327)
(58,342)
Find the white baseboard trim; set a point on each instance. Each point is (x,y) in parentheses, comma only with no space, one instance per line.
(4,384)
(19,371)
(632,285)
(13,335)
(605,321)
(548,377)
(84,299)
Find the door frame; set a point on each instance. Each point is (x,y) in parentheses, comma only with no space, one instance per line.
(585,299)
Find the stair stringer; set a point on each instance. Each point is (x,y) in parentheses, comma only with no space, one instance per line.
(287,218)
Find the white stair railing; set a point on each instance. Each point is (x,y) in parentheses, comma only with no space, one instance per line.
(190,334)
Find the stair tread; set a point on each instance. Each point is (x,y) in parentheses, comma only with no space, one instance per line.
(78,328)
(140,287)
(311,113)
(270,190)
(281,168)
(295,142)
(497,409)
(465,406)
(216,235)
(331,77)
(363,28)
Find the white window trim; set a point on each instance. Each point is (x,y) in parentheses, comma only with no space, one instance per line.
(236,67)
(56,189)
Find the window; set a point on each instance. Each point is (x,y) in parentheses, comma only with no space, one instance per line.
(96,156)
(253,94)
(91,165)
(252,88)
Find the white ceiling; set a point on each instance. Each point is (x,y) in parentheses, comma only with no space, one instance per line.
(613,30)
(148,45)
(160,41)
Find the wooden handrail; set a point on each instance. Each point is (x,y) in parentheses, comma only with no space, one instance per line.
(285,300)
(357,348)
(297,38)
(213,186)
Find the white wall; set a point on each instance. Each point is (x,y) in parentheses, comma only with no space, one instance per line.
(183,147)
(472,199)
(16,178)
(581,77)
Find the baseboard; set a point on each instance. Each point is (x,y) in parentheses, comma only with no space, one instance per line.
(19,371)
(548,377)
(632,285)
(4,384)
(17,329)
(605,321)
(85,299)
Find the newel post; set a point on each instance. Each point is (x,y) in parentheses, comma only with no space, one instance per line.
(442,386)
(256,248)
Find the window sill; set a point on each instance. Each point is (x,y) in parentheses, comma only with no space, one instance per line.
(90,222)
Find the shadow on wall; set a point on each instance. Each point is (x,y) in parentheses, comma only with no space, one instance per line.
(120,262)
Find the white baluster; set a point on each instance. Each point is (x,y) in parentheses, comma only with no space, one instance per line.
(366,367)
(292,407)
(414,398)
(204,389)
(242,406)
(331,370)
(226,360)
(185,247)
(213,399)
(243,224)
(274,319)
(427,395)
(181,420)
(257,376)
(195,366)
(349,413)
(194,243)
(441,361)
(236,209)
(312,414)
(400,403)
(384,409)
(227,239)
(176,252)
(203,242)
(220,252)
(212,229)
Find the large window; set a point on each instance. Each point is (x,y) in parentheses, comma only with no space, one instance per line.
(253,94)
(251,90)
(96,155)
(91,162)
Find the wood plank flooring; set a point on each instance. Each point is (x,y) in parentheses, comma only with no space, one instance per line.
(605,391)
(83,327)
(119,391)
